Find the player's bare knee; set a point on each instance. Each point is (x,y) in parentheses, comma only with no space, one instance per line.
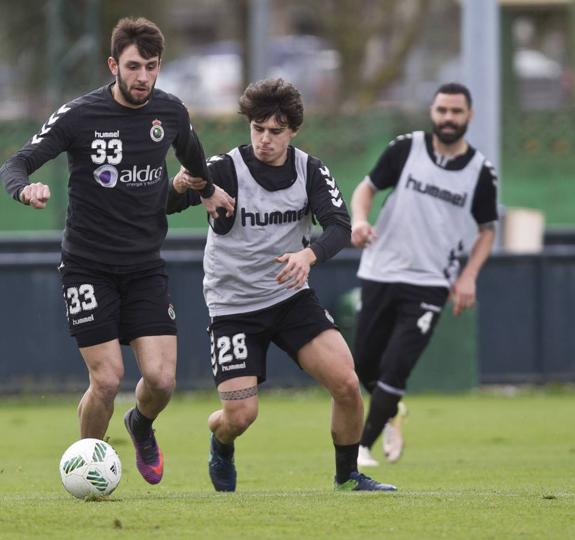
(105,387)
(240,416)
(161,384)
(346,388)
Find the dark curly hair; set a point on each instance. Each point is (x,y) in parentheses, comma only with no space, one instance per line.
(273,98)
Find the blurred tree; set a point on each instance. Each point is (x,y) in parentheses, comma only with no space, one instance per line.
(374,38)
(240,10)
(59,47)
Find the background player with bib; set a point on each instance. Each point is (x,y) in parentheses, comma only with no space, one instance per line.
(443,204)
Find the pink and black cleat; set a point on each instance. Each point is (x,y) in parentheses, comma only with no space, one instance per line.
(149,458)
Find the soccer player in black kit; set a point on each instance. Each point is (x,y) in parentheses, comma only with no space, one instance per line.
(114,282)
(256,265)
(443,204)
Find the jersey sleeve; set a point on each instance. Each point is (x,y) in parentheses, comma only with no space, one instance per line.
(53,138)
(484,205)
(387,170)
(177,202)
(327,205)
(222,172)
(190,153)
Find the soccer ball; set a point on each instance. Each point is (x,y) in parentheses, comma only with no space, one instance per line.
(90,468)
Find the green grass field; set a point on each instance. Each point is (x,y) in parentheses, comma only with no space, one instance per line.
(477,466)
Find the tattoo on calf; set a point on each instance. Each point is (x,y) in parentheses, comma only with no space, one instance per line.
(243,393)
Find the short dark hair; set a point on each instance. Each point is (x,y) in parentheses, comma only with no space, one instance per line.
(273,98)
(141,32)
(455,88)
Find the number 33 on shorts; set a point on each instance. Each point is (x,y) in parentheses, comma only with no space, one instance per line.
(225,349)
(81,298)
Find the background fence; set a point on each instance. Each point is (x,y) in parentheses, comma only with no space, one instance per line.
(521,331)
(359,93)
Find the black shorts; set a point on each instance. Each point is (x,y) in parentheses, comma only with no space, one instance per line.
(394,325)
(105,302)
(239,343)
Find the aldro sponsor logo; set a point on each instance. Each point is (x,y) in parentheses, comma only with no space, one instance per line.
(108,176)
(457,199)
(108,152)
(275,217)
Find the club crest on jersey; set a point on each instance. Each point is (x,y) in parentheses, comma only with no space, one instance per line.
(106,176)
(157,131)
(171,312)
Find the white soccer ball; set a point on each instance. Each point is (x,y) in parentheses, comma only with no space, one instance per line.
(90,468)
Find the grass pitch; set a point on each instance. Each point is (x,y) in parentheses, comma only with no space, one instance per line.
(476,466)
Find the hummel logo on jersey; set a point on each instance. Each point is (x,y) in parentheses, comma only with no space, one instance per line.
(275,217)
(39,137)
(336,199)
(457,199)
(107,134)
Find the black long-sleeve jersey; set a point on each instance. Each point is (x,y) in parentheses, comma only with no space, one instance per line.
(118,182)
(388,169)
(325,200)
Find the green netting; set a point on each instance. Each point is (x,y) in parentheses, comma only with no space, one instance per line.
(537,156)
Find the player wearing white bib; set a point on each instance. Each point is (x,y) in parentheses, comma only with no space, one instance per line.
(256,267)
(443,204)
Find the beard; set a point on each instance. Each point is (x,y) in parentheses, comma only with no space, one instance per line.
(125,91)
(449,137)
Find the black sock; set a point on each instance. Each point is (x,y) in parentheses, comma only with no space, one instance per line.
(345,461)
(225,450)
(140,424)
(382,407)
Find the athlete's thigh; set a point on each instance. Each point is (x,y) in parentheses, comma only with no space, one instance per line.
(300,320)
(146,307)
(156,356)
(104,361)
(92,302)
(327,358)
(419,310)
(238,346)
(239,395)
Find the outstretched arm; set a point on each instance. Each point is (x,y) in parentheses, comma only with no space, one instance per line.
(362,233)
(296,270)
(52,139)
(463,292)
(218,199)
(327,205)
(179,198)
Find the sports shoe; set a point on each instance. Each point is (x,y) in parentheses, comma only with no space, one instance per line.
(149,458)
(359,482)
(365,459)
(392,438)
(222,469)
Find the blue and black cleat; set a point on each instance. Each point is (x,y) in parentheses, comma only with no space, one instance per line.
(222,469)
(359,482)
